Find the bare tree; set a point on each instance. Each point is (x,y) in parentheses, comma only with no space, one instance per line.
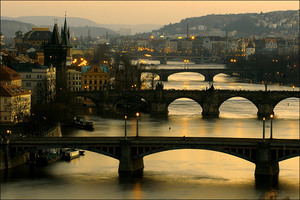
(20,108)
(46,89)
(150,77)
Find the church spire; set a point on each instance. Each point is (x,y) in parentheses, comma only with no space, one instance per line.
(55,39)
(65,35)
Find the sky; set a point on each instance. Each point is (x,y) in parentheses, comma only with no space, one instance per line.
(139,12)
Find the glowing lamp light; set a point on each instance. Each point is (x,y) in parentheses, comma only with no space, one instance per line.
(271,116)
(137,114)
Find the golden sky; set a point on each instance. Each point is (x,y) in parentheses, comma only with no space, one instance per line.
(139,12)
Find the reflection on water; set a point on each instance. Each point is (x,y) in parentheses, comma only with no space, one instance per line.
(176,174)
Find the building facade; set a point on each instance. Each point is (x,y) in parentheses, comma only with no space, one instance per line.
(15,101)
(38,79)
(95,78)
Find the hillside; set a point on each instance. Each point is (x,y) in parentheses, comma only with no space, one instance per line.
(9,27)
(246,24)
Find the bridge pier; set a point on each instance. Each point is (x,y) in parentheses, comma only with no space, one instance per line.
(159,109)
(210,111)
(164,61)
(127,163)
(265,110)
(265,166)
(209,77)
(163,77)
(6,153)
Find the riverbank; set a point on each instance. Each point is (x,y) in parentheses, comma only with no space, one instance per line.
(12,157)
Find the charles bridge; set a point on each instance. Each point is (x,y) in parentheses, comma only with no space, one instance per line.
(157,101)
(264,153)
(208,73)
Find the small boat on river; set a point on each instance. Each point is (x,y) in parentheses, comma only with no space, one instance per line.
(83,123)
(71,154)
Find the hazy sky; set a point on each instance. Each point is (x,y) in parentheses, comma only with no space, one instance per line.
(138,12)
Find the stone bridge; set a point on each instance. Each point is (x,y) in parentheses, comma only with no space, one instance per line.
(265,154)
(157,101)
(207,73)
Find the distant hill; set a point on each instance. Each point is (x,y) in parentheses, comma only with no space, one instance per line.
(245,24)
(48,21)
(9,27)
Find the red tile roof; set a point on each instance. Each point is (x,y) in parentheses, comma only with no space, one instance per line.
(7,74)
(12,90)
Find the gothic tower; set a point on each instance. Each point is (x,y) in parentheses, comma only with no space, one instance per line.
(56,53)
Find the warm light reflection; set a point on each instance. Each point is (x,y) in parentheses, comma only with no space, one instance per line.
(137,190)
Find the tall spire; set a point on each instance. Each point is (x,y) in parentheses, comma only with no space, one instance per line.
(65,35)
(55,39)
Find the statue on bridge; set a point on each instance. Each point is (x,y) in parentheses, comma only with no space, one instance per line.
(159,86)
(212,88)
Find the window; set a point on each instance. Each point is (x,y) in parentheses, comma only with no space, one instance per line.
(100,81)
(5,100)
(28,76)
(90,82)
(95,81)
(39,76)
(95,69)
(85,82)
(28,84)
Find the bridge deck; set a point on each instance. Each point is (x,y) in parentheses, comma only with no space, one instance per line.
(152,140)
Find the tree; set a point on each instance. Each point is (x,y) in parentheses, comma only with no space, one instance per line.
(101,55)
(20,108)
(46,89)
(151,78)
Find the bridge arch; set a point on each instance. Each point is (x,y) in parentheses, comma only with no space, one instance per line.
(286,107)
(245,105)
(131,103)
(185,101)
(188,76)
(219,77)
(232,152)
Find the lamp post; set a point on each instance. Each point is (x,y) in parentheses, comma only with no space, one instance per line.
(137,124)
(264,119)
(125,117)
(293,88)
(271,129)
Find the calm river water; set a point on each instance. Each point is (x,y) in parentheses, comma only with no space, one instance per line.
(177,174)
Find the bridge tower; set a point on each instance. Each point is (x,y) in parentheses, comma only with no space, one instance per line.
(56,53)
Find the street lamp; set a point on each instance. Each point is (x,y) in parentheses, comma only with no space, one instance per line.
(293,88)
(137,124)
(125,127)
(264,119)
(271,129)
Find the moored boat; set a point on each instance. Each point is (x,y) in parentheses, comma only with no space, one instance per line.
(82,122)
(71,154)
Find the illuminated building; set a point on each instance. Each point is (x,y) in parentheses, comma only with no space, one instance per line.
(94,77)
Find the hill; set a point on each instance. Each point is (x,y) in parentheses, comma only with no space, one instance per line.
(285,22)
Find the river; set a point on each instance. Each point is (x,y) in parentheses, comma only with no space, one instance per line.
(176,174)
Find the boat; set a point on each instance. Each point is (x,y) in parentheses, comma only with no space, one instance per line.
(83,123)
(48,158)
(71,154)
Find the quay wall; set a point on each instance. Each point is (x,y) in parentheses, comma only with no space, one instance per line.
(7,160)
